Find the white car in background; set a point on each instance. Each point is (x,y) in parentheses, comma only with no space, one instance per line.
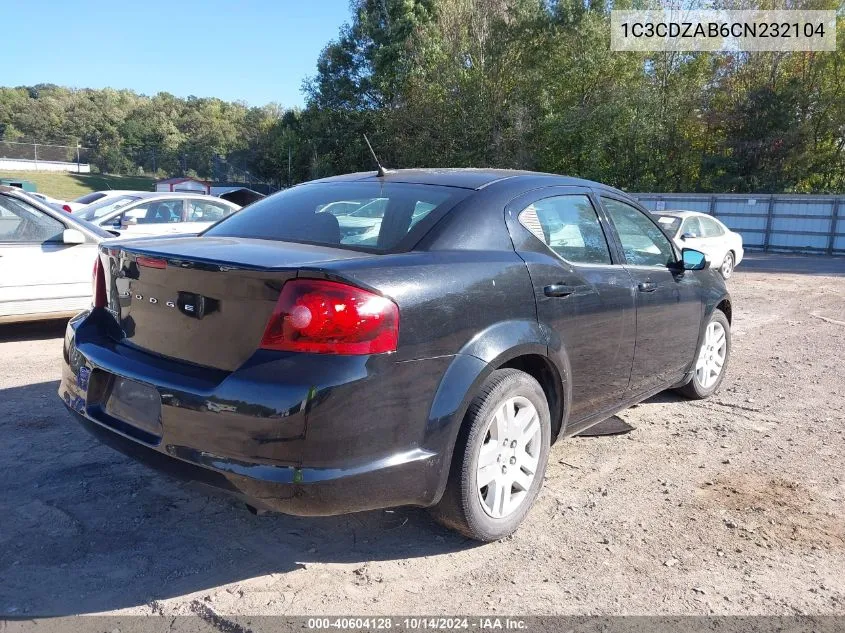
(691,229)
(55,202)
(147,213)
(89,198)
(46,259)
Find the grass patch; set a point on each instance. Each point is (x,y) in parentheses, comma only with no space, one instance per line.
(67,186)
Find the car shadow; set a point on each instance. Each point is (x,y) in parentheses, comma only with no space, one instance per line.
(665,397)
(85,529)
(33,331)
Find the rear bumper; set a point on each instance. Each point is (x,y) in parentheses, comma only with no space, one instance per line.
(291,490)
(305,436)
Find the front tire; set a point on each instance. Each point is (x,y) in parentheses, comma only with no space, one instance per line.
(500,458)
(711,360)
(727,267)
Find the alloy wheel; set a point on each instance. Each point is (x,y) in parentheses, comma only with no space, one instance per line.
(727,266)
(509,456)
(711,358)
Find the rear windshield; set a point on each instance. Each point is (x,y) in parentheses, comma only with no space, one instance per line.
(368,216)
(103,207)
(88,198)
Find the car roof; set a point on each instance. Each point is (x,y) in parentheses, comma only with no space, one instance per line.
(681,213)
(169,194)
(466,178)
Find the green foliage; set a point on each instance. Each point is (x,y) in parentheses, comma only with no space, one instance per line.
(533,84)
(529,84)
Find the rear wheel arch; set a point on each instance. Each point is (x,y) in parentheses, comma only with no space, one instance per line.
(541,369)
(468,371)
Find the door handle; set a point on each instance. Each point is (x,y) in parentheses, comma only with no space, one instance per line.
(558,290)
(647,286)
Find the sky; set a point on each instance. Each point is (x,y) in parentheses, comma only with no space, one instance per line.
(258,51)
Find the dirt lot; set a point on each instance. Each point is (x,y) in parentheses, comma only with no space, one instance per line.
(729,506)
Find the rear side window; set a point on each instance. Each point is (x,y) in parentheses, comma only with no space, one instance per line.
(368,216)
(569,226)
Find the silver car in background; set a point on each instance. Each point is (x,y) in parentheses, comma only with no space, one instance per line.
(46,259)
(149,213)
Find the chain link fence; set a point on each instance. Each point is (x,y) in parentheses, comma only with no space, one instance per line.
(21,156)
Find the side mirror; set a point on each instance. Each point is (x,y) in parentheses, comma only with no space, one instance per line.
(688,236)
(73,236)
(693,259)
(128,221)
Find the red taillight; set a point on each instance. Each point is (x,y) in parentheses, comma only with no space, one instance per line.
(66,207)
(326,317)
(99,285)
(150,262)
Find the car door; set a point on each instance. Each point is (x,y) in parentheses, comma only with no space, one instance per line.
(39,273)
(669,304)
(582,294)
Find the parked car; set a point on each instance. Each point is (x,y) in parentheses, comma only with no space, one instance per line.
(95,196)
(705,233)
(142,213)
(46,258)
(53,202)
(273,359)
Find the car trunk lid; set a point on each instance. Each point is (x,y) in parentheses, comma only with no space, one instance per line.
(202,300)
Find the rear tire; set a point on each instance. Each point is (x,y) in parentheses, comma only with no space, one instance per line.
(504,445)
(711,359)
(727,267)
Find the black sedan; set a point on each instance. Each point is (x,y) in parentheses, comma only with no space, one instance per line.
(430,361)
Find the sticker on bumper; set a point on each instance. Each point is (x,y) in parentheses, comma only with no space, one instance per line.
(82,377)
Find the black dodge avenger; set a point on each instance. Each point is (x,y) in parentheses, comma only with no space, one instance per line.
(428,356)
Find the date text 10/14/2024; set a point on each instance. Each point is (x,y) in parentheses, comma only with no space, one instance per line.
(420,623)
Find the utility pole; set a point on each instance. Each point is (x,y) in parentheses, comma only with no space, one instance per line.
(289,165)
(78,166)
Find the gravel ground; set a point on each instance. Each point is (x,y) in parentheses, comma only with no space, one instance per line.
(729,506)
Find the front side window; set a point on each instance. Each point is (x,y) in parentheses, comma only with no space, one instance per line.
(569,226)
(157,212)
(711,228)
(692,227)
(24,224)
(371,216)
(643,243)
